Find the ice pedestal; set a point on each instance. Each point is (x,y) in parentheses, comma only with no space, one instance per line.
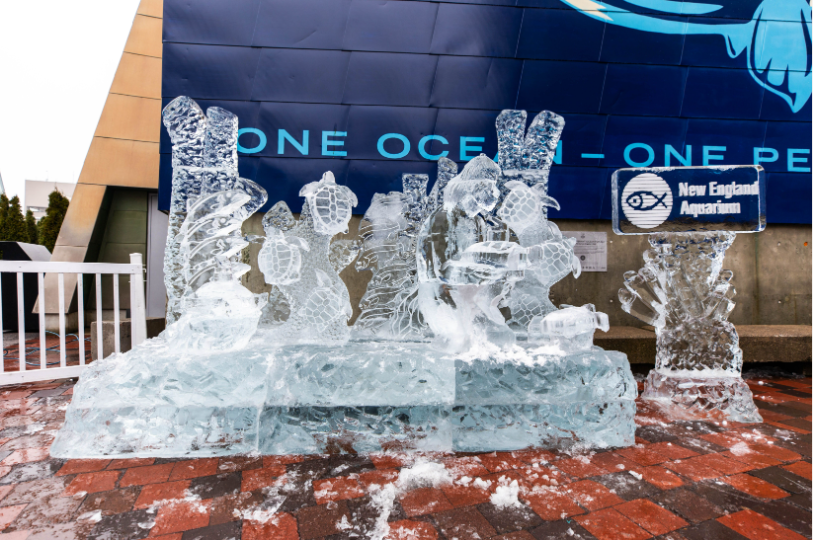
(720,398)
(686,295)
(363,396)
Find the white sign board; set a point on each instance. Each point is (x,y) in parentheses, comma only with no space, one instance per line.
(591,249)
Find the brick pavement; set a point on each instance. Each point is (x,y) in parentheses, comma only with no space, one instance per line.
(682,480)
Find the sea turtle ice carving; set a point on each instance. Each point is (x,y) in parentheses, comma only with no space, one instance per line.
(299,259)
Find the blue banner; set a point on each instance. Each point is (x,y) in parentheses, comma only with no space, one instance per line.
(372,89)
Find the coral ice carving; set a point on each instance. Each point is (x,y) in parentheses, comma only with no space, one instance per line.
(298,258)
(389,230)
(209,204)
(445,266)
(683,291)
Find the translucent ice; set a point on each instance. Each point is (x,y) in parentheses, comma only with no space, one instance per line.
(300,261)
(683,292)
(389,231)
(208,309)
(462,279)
(526,159)
(445,266)
(204,165)
(570,329)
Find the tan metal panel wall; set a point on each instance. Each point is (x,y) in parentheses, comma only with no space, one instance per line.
(151,8)
(142,37)
(138,75)
(121,162)
(129,117)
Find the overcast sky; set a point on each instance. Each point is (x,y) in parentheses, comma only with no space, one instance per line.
(57,60)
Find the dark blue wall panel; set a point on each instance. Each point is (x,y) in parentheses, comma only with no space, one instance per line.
(476,30)
(560,42)
(301,75)
(301,24)
(390,26)
(390,79)
(491,82)
(208,71)
(394,84)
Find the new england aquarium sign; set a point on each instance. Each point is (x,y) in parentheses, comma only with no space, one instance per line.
(688,199)
(371,89)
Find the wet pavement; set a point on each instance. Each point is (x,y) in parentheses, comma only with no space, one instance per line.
(682,480)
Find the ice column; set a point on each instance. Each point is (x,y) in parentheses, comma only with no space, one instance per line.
(525,159)
(213,311)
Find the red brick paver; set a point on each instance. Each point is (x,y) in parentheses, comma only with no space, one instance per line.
(181,516)
(651,517)
(682,480)
(424,501)
(609,524)
(592,495)
(151,474)
(757,527)
(155,493)
(93,482)
(281,527)
(755,487)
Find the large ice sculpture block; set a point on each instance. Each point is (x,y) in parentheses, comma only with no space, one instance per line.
(358,397)
(159,399)
(445,266)
(682,289)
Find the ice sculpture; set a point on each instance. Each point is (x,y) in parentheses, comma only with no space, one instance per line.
(684,292)
(445,267)
(526,159)
(461,276)
(389,230)
(299,259)
(179,393)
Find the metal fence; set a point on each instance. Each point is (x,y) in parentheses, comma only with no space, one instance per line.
(28,369)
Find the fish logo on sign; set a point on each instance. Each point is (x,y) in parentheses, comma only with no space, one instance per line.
(646,201)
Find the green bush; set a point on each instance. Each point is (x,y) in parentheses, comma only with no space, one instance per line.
(13,227)
(31,225)
(54,215)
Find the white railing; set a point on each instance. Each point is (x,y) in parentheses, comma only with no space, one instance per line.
(42,371)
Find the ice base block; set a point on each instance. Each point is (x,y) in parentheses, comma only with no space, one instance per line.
(364,396)
(716,398)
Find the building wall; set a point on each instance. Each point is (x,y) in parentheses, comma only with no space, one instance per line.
(125,232)
(771,273)
(123,153)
